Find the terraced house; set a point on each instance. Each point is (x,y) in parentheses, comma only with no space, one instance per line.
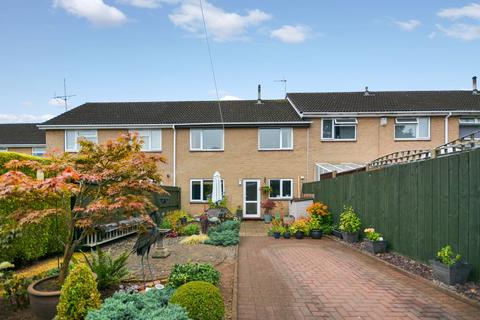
(280,143)
(23,138)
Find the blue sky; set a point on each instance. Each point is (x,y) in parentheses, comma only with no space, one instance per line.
(131,50)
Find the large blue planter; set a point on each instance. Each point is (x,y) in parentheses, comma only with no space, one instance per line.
(267,218)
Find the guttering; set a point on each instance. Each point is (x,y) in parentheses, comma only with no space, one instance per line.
(18,145)
(446,126)
(386,113)
(141,126)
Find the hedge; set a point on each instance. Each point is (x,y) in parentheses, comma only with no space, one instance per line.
(5,157)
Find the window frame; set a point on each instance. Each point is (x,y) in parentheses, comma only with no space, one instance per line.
(150,149)
(3,149)
(417,132)
(281,139)
(475,123)
(281,197)
(338,124)
(201,189)
(77,146)
(41,154)
(202,149)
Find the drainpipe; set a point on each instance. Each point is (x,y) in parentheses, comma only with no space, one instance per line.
(446,126)
(174,156)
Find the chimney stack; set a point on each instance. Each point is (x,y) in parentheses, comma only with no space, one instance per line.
(474,85)
(367,93)
(259,100)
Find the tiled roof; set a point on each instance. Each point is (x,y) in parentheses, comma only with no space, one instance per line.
(181,112)
(386,101)
(21,133)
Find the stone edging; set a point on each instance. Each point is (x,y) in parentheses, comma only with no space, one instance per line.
(411,275)
(235,286)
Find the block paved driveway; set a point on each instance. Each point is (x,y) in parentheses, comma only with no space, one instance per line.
(322,279)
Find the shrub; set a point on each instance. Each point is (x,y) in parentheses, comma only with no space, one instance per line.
(5,157)
(195,239)
(202,300)
(447,256)
(183,273)
(172,219)
(223,238)
(299,225)
(191,229)
(109,271)
(13,287)
(349,221)
(150,305)
(229,225)
(372,235)
(79,294)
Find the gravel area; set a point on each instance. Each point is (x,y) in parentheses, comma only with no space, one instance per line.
(470,289)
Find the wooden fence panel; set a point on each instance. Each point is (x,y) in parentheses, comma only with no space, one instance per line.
(419,207)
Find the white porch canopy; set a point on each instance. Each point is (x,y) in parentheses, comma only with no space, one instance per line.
(338,167)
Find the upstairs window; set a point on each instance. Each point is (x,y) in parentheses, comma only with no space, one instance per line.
(152,139)
(468,126)
(39,152)
(410,128)
(281,188)
(201,190)
(72,138)
(339,129)
(206,139)
(275,139)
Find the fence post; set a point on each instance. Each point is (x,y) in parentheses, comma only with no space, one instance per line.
(334,174)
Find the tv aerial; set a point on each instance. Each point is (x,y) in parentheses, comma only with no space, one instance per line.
(65,96)
(284,84)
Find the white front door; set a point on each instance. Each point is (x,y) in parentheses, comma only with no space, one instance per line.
(251,198)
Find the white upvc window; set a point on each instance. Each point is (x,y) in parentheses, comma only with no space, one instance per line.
(3,149)
(152,139)
(201,190)
(468,126)
(206,139)
(39,151)
(412,128)
(72,138)
(275,139)
(281,188)
(342,129)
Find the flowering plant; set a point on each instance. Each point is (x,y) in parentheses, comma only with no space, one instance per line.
(320,218)
(372,235)
(300,225)
(317,209)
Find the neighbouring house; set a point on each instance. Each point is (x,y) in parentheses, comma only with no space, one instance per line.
(23,138)
(279,143)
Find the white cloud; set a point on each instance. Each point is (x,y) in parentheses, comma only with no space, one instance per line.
(20,118)
(291,34)
(229,97)
(466,32)
(432,35)
(221,25)
(408,25)
(95,11)
(147,4)
(470,11)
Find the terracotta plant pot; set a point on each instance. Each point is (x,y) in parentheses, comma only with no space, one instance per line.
(43,303)
(316,234)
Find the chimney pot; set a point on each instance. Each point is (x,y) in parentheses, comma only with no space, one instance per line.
(366,91)
(474,85)
(259,99)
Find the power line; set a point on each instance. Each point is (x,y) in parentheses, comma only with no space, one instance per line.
(211,64)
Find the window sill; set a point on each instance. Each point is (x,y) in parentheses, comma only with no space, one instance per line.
(338,140)
(198,202)
(207,150)
(280,199)
(412,139)
(291,149)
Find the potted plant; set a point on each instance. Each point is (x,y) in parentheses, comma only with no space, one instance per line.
(336,231)
(287,233)
(448,267)
(375,243)
(277,230)
(315,229)
(84,188)
(266,189)
(349,225)
(268,205)
(299,228)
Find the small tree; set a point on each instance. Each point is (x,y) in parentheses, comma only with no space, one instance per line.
(88,187)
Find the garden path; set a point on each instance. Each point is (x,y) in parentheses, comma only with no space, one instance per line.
(322,279)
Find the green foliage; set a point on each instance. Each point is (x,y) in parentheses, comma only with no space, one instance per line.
(223,238)
(79,294)
(5,157)
(447,256)
(202,300)
(219,204)
(349,221)
(278,228)
(183,273)
(372,235)
(327,229)
(14,287)
(139,306)
(109,271)
(229,225)
(172,220)
(190,229)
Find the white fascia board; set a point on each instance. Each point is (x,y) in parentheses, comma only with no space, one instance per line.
(383,114)
(300,114)
(23,145)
